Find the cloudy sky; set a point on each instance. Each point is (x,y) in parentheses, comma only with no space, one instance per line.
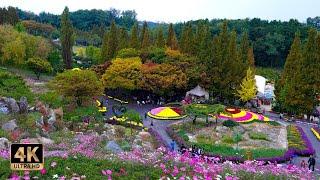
(183,10)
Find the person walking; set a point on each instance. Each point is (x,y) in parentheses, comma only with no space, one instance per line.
(303,164)
(311,162)
(172,145)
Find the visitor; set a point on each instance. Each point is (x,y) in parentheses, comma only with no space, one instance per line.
(172,145)
(138,103)
(145,115)
(311,162)
(280,116)
(151,122)
(183,149)
(303,164)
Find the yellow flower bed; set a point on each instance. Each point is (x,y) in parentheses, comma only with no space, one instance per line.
(316,133)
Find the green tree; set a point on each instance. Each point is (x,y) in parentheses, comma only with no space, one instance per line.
(67,38)
(248,89)
(38,66)
(112,41)
(187,40)
(203,42)
(123,39)
(94,54)
(14,52)
(54,58)
(105,47)
(160,41)
(172,42)
(78,85)
(145,43)
(123,74)
(134,42)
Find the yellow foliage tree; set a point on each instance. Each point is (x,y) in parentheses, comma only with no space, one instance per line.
(248,89)
(123,73)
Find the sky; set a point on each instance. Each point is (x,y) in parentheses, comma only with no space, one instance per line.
(183,10)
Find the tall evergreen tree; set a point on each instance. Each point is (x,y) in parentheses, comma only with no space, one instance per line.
(310,81)
(134,42)
(144,30)
(218,63)
(172,42)
(145,40)
(67,38)
(187,40)
(123,39)
(104,47)
(250,56)
(112,42)
(203,42)
(160,42)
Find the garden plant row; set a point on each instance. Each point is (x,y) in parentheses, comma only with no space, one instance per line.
(298,144)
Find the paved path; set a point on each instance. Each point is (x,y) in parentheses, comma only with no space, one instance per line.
(158,125)
(306,128)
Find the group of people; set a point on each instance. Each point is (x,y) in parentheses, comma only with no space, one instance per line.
(311,163)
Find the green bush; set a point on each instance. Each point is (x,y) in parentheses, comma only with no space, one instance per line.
(52,99)
(227,139)
(4,134)
(38,66)
(80,112)
(128,53)
(14,86)
(182,134)
(230,123)
(258,136)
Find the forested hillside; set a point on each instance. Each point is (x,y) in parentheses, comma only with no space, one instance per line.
(271,40)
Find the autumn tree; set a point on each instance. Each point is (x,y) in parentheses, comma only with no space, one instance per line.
(162,79)
(134,40)
(172,39)
(77,85)
(38,66)
(123,74)
(67,38)
(248,89)
(160,41)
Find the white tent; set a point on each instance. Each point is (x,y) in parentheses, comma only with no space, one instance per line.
(261,85)
(198,91)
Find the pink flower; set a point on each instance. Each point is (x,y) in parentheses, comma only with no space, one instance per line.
(62,178)
(109,172)
(43,171)
(14,176)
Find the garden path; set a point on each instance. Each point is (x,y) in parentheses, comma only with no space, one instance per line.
(306,128)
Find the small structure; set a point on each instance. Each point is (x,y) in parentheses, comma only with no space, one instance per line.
(198,94)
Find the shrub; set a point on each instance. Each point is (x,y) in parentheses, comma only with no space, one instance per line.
(4,134)
(77,114)
(128,53)
(52,99)
(230,123)
(183,135)
(258,136)
(38,66)
(77,84)
(14,86)
(227,139)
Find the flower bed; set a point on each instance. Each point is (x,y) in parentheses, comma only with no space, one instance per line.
(299,142)
(305,149)
(123,121)
(316,132)
(166,113)
(241,116)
